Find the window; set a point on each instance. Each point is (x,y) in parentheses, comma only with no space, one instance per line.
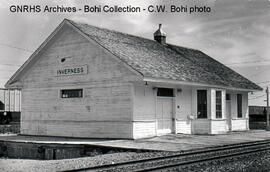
(165,92)
(72,93)
(218,104)
(202,103)
(239,106)
(2,105)
(228,97)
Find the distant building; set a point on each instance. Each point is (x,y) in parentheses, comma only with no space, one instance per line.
(257,117)
(10,105)
(257,110)
(85,81)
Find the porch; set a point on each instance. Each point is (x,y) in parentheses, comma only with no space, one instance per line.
(163,108)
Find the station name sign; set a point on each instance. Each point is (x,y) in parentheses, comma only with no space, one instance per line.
(78,70)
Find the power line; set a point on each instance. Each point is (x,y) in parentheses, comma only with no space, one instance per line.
(262,82)
(9,65)
(259,72)
(257,97)
(255,61)
(263,85)
(10,70)
(18,48)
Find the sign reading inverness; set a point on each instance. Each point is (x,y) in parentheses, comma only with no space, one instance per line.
(78,70)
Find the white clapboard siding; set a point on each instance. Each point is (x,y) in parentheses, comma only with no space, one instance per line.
(183,126)
(144,103)
(106,107)
(183,110)
(218,126)
(142,129)
(201,126)
(239,124)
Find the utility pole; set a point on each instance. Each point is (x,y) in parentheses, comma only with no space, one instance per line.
(267,109)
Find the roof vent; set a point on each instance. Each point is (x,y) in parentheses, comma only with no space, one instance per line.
(160,35)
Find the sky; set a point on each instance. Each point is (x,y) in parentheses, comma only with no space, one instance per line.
(235,32)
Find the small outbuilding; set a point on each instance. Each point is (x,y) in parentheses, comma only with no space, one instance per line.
(257,117)
(90,82)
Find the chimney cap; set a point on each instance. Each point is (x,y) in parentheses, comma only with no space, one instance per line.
(160,32)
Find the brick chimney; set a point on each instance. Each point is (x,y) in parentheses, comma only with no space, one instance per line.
(160,35)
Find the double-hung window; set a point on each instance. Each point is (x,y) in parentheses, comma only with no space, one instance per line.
(218,104)
(202,103)
(72,93)
(239,106)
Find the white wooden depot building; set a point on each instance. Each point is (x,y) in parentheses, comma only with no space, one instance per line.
(85,81)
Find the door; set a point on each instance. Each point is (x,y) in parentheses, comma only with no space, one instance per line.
(228,111)
(164,112)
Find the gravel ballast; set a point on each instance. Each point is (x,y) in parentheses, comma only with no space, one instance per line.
(27,165)
(252,163)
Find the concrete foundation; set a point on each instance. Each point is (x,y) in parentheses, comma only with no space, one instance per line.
(52,151)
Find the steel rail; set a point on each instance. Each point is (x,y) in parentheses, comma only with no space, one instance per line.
(203,160)
(242,148)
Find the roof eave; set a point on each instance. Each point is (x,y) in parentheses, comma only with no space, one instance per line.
(177,82)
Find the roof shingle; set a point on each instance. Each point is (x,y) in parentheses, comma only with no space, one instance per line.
(156,60)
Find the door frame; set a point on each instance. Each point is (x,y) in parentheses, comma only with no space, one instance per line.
(165,131)
(229,114)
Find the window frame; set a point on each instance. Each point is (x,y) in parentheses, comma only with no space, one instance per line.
(219,116)
(239,99)
(71,89)
(204,105)
(166,91)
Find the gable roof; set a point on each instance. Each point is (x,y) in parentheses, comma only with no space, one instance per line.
(155,60)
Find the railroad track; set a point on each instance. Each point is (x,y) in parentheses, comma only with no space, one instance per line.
(184,160)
